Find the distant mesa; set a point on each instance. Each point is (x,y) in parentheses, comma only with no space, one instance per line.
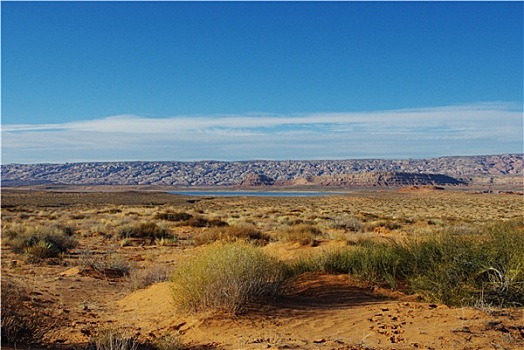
(367,179)
(491,172)
(387,179)
(253,180)
(390,179)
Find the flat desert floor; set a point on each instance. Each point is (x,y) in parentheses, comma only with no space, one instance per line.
(110,281)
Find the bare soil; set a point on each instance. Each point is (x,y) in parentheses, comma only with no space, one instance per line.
(321,311)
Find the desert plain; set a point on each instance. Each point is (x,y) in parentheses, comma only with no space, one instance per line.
(116,276)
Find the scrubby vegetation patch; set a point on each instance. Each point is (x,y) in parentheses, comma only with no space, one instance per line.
(144,230)
(304,234)
(39,243)
(455,269)
(232,234)
(228,277)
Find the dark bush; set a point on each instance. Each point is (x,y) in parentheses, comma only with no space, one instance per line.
(200,221)
(173,216)
(144,230)
(21,322)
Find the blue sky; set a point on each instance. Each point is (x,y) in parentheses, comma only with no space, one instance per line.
(101,81)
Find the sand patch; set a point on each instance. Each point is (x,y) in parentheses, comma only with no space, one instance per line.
(326,311)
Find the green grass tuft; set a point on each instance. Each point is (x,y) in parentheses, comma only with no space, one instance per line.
(456,269)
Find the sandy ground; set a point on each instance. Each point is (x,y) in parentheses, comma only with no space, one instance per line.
(320,312)
(328,312)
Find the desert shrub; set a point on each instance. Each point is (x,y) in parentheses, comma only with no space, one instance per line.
(13,230)
(231,234)
(169,342)
(367,216)
(144,230)
(110,339)
(113,264)
(436,222)
(182,216)
(200,221)
(393,225)
(20,323)
(39,243)
(97,229)
(110,263)
(65,229)
(350,223)
(228,277)
(77,216)
(300,222)
(166,241)
(13,324)
(142,278)
(303,234)
(389,224)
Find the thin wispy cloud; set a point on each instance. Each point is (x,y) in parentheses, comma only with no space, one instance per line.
(482,128)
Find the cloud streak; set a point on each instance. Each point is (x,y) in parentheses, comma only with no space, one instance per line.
(482,128)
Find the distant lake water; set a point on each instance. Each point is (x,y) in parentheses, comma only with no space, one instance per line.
(256,193)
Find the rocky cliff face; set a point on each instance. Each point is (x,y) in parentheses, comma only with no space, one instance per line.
(213,173)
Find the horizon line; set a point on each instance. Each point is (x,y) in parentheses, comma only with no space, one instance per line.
(269,160)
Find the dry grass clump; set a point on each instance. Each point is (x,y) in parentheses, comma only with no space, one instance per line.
(227,277)
(13,323)
(110,339)
(169,342)
(169,216)
(200,221)
(303,233)
(144,230)
(348,223)
(381,224)
(111,264)
(39,243)
(232,234)
(110,210)
(503,273)
(19,323)
(142,278)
